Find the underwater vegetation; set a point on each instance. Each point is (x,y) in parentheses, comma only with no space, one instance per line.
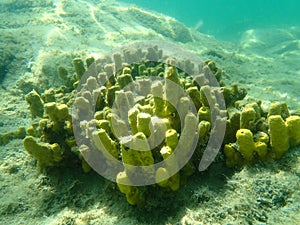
(5,61)
(103,96)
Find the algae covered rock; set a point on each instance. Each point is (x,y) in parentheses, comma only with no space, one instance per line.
(174,29)
(6,59)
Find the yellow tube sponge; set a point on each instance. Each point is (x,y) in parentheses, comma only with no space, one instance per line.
(204,129)
(278,133)
(173,182)
(36,104)
(248,118)
(279,108)
(194,94)
(132,193)
(163,179)
(118,126)
(79,68)
(256,107)
(58,114)
(159,104)
(233,157)
(105,144)
(84,150)
(111,95)
(165,152)
(124,80)
(261,137)
(261,149)
(188,135)
(104,124)
(172,85)
(183,106)
(123,104)
(293,127)
(45,153)
(171,138)
(143,123)
(245,144)
(204,114)
(138,154)
(132,118)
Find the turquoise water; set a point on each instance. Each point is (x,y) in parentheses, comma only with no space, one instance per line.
(227,19)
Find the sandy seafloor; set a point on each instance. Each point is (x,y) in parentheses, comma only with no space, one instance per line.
(38,36)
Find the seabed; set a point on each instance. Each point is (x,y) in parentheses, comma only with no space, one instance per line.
(36,38)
